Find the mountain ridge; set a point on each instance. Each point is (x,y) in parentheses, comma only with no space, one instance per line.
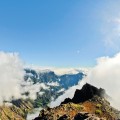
(93,106)
(86,93)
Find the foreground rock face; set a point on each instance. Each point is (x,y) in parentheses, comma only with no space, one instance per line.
(89,103)
(17,111)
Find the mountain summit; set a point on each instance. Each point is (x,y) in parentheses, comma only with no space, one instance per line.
(87,92)
(89,103)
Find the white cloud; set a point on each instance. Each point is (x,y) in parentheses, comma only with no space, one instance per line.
(111,25)
(28,86)
(8,104)
(68,93)
(112,34)
(41,93)
(11,75)
(106,74)
(53,83)
(62,71)
(31,116)
(61,90)
(59,71)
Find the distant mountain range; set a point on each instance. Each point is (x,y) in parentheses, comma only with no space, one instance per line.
(55,85)
(65,80)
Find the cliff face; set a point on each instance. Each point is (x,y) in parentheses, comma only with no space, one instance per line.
(11,113)
(17,111)
(89,103)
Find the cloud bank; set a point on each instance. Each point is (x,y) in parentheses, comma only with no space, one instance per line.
(106,74)
(12,83)
(58,71)
(11,75)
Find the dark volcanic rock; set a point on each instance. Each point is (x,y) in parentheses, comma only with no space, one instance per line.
(64,117)
(67,100)
(80,116)
(87,92)
(38,118)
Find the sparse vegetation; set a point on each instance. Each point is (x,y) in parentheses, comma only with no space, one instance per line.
(78,106)
(98,106)
(98,112)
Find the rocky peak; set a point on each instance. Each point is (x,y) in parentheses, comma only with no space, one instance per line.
(87,92)
(89,103)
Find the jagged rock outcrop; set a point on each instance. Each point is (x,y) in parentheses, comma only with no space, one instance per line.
(87,92)
(89,103)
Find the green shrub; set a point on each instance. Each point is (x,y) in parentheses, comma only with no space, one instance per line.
(78,106)
(98,106)
(98,112)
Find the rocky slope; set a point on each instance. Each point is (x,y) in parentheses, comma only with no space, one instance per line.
(89,103)
(16,110)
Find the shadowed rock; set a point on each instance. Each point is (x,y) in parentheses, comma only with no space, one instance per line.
(87,92)
(64,117)
(80,116)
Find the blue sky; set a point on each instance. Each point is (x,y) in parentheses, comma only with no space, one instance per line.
(61,33)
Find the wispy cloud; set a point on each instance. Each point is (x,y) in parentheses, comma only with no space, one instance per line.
(111,25)
(112,34)
(59,71)
(12,82)
(29,86)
